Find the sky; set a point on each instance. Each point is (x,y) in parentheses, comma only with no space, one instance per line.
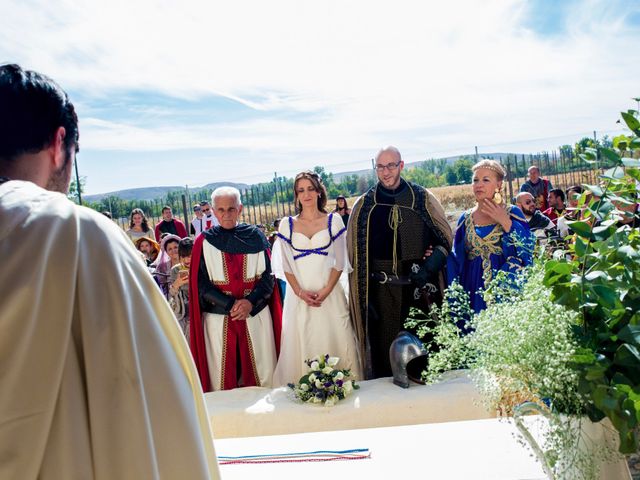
(200,91)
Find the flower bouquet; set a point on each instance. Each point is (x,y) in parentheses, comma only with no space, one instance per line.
(323,383)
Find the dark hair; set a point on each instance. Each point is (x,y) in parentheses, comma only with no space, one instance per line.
(346,206)
(171,240)
(145,223)
(33,108)
(316,181)
(185,247)
(165,208)
(558,193)
(204,202)
(575,188)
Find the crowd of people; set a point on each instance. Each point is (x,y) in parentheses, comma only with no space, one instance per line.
(262,306)
(95,318)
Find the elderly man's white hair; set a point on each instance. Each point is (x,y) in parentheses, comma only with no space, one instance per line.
(226,192)
(390,149)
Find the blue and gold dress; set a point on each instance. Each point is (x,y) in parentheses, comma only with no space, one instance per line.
(481,250)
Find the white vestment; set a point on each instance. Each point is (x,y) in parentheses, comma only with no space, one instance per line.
(259,327)
(97,380)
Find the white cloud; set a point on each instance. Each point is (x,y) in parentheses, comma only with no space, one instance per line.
(427,76)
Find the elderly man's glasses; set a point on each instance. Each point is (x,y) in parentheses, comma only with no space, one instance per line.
(389,166)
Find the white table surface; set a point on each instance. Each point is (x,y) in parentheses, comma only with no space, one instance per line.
(255,411)
(479,449)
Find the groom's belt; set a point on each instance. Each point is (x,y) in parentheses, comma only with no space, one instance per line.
(390,278)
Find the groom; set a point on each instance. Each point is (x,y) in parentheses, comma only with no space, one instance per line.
(390,229)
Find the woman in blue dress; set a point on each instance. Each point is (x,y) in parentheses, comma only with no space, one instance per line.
(490,237)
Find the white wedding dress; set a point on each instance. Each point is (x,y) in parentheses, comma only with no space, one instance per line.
(310,331)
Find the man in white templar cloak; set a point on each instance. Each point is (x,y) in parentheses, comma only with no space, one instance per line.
(97,380)
(236,314)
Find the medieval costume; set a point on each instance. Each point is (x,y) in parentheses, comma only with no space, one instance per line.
(539,190)
(310,331)
(226,265)
(480,250)
(389,233)
(97,380)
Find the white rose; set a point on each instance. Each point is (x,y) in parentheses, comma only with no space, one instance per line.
(318,384)
(327,370)
(312,377)
(347,387)
(304,387)
(315,365)
(333,361)
(339,376)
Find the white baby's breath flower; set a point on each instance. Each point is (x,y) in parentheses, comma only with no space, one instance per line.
(333,361)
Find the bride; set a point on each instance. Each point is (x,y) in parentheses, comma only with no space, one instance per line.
(310,253)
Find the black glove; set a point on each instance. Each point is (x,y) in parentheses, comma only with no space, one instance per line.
(429,269)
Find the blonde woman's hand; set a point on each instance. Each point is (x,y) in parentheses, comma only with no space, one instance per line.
(498,213)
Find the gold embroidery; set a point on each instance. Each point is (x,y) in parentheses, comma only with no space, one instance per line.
(477,246)
(225,280)
(252,356)
(225,325)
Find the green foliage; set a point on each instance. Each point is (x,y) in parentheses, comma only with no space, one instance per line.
(600,279)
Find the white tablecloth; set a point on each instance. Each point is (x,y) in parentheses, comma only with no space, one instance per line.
(480,449)
(255,411)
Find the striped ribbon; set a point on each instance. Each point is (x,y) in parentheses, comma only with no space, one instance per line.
(318,456)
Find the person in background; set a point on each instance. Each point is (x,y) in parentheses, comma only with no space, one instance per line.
(342,209)
(166,261)
(197,223)
(556,205)
(149,249)
(539,223)
(179,285)
(139,226)
(209,218)
(96,379)
(170,224)
(572,212)
(538,187)
(489,237)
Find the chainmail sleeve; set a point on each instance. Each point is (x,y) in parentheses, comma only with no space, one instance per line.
(259,296)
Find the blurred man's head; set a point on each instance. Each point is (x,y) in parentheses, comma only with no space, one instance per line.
(534,174)
(167,214)
(526,202)
(38,129)
(556,199)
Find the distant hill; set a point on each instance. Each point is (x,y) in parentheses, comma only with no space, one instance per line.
(151,193)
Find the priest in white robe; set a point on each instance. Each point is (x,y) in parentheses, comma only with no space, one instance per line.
(96,378)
